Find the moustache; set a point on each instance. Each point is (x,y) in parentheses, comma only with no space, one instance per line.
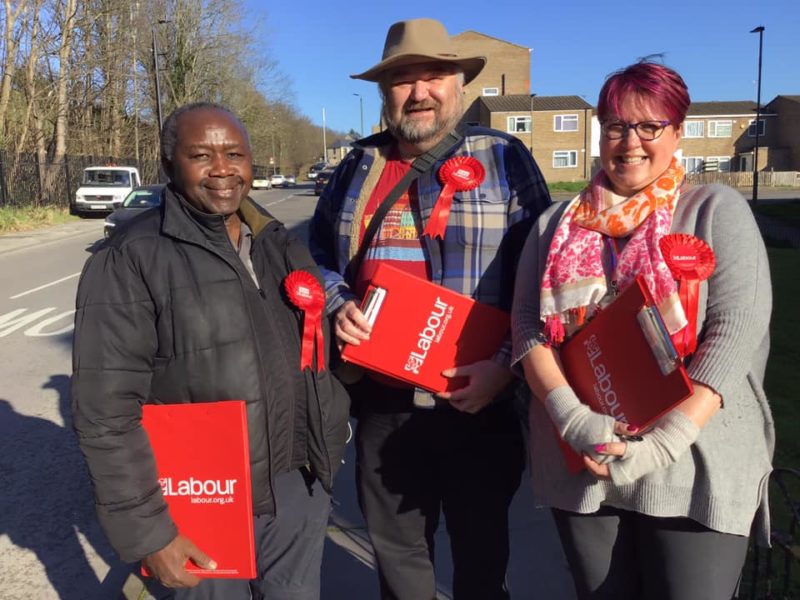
(420,106)
(218,183)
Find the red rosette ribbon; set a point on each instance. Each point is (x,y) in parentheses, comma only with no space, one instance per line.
(458,174)
(306,293)
(690,260)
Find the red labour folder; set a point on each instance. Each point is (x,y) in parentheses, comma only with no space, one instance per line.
(203,461)
(420,328)
(623,363)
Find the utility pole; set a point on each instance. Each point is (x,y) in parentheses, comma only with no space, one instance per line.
(760,31)
(158,82)
(361,106)
(324,143)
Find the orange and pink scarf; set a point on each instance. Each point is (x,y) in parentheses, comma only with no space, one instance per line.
(574,280)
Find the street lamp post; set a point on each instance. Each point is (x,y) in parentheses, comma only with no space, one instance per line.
(361,106)
(760,31)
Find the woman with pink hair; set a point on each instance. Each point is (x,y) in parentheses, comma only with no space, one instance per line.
(664,512)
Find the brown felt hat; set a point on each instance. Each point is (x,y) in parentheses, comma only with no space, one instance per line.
(419,41)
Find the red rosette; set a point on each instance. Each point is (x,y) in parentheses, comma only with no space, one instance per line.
(458,174)
(305,292)
(690,260)
(687,256)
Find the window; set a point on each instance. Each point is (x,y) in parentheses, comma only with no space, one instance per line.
(565,123)
(720,129)
(693,129)
(692,164)
(564,159)
(718,163)
(491,91)
(519,124)
(762,128)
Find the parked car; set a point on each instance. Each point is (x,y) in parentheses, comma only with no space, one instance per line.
(291,181)
(277,180)
(314,169)
(261,183)
(321,180)
(103,189)
(139,200)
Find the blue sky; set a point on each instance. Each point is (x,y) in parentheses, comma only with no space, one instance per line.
(575,44)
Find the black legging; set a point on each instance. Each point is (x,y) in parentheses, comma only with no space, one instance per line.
(623,555)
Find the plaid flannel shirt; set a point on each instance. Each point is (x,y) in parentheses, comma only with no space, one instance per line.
(486,229)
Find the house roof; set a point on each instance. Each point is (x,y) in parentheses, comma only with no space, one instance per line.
(789,97)
(526,103)
(722,108)
(458,36)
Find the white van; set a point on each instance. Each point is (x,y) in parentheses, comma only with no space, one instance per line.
(103,189)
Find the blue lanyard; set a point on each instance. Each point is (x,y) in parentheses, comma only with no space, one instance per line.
(614,253)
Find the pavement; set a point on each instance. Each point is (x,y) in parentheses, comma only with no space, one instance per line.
(537,566)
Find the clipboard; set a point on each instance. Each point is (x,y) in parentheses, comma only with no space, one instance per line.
(623,363)
(420,328)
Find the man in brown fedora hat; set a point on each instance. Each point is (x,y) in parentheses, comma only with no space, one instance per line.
(460,452)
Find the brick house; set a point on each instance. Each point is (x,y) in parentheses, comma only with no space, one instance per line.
(507,70)
(721,136)
(787,132)
(557,129)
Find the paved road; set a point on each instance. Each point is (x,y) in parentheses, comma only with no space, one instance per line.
(50,543)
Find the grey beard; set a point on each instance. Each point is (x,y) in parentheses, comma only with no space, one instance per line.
(415,133)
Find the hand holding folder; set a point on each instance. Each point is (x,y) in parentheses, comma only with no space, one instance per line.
(420,329)
(623,364)
(209,496)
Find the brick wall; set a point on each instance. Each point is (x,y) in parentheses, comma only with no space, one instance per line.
(508,68)
(738,142)
(546,141)
(787,130)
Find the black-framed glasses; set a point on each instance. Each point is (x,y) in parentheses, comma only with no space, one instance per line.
(646,130)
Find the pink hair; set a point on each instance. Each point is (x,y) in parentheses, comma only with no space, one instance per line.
(656,84)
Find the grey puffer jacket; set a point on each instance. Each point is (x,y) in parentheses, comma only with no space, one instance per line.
(168,313)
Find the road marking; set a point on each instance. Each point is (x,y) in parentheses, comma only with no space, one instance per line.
(46,285)
(281,200)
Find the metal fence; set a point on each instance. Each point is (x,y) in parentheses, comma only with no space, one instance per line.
(744,179)
(26,181)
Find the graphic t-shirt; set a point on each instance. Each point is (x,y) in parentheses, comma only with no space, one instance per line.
(397,241)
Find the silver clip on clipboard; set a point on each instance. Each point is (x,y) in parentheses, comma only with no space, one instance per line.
(373,303)
(658,338)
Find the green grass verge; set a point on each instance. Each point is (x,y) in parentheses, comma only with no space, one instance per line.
(28,218)
(782,383)
(566,186)
(786,212)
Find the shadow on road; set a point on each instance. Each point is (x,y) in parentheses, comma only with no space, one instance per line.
(46,505)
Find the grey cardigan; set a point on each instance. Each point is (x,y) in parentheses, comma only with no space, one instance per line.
(722,481)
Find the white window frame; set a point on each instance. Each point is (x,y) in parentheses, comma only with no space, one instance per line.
(727,160)
(714,125)
(490,91)
(511,123)
(570,154)
(560,126)
(751,132)
(701,124)
(698,168)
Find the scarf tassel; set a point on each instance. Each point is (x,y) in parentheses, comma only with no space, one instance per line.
(554,330)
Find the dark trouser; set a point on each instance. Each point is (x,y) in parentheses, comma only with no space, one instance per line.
(288,549)
(413,462)
(620,555)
